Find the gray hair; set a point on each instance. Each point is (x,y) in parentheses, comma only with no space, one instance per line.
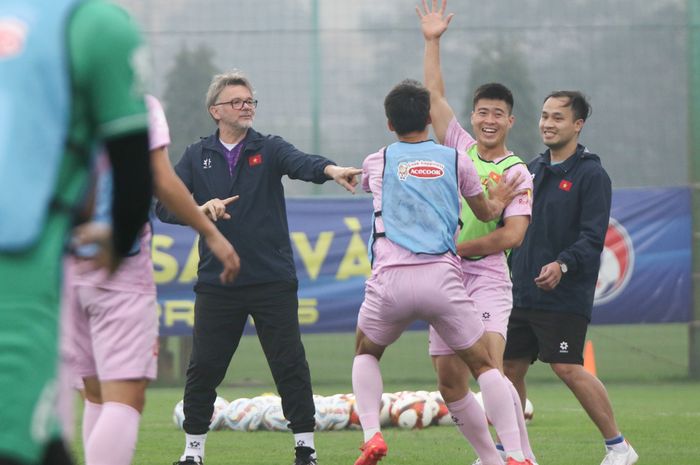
(220,81)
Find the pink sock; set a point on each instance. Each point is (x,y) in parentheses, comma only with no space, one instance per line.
(524,438)
(113,438)
(368,387)
(470,420)
(91,413)
(500,409)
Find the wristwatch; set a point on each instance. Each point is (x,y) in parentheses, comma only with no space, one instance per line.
(563,267)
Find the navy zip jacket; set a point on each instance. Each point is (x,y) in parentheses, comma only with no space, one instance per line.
(570,215)
(258,226)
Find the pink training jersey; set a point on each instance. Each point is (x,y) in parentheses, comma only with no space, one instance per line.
(493,266)
(135,273)
(386,252)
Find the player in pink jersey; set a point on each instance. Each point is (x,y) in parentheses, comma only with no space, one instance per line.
(110,334)
(416,274)
(483,246)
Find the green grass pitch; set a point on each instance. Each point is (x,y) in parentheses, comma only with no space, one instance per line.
(643,366)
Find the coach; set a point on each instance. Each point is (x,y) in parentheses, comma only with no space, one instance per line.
(235,175)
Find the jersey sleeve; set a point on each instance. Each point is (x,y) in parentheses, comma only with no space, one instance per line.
(457,137)
(469,180)
(158,131)
(522,204)
(105,46)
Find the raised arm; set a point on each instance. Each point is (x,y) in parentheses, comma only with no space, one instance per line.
(433,24)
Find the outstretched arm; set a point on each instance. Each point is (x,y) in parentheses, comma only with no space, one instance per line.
(433,24)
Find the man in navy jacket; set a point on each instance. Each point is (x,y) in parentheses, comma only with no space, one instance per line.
(555,269)
(235,175)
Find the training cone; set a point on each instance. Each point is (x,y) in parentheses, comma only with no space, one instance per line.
(589,358)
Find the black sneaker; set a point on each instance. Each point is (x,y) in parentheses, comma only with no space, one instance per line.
(190,460)
(303,456)
(305,461)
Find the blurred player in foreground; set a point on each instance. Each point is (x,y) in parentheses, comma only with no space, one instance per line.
(111,333)
(67,85)
(416,272)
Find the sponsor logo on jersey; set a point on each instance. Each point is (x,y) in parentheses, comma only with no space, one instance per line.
(13,35)
(422,169)
(616,263)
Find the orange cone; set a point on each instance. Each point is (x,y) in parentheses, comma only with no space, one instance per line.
(589,358)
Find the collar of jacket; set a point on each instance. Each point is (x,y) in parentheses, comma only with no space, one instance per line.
(253,140)
(566,166)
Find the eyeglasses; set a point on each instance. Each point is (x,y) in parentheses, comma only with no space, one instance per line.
(237,104)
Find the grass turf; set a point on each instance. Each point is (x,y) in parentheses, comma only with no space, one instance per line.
(643,367)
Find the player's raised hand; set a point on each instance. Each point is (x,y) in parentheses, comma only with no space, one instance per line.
(216,208)
(345,176)
(433,21)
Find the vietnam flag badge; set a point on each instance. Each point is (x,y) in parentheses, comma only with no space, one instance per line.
(565,185)
(255,160)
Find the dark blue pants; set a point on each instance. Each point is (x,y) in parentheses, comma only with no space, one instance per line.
(220,316)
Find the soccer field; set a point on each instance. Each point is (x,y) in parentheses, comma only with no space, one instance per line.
(643,368)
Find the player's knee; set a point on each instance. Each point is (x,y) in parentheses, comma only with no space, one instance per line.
(565,371)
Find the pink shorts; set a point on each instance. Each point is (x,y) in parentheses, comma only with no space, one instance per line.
(433,292)
(494,301)
(114,333)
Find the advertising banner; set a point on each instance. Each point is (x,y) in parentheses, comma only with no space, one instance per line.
(644,276)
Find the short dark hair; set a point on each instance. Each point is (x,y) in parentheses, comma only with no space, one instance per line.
(494,91)
(576,100)
(407,106)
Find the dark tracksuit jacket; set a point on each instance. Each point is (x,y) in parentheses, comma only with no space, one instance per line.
(258,226)
(570,215)
(266,287)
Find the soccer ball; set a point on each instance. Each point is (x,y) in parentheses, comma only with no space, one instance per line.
(273,418)
(443,417)
(353,416)
(332,413)
(217,416)
(411,411)
(179,414)
(388,400)
(243,415)
(529,411)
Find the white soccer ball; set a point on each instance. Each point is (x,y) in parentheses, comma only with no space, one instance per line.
(413,411)
(273,418)
(443,417)
(332,413)
(217,416)
(243,415)
(388,400)
(179,414)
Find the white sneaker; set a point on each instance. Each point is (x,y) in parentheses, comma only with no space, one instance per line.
(629,457)
(477,461)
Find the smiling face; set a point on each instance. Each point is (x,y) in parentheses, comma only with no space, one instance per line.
(491,121)
(225,115)
(558,126)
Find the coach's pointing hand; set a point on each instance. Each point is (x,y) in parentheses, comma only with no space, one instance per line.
(345,176)
(216,208)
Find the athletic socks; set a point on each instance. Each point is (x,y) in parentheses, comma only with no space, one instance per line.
(368,387)
(113,438)
(471,421)
(499,407)
(194,446)
(618,444)
(91,413)
(304,441)
(524,438)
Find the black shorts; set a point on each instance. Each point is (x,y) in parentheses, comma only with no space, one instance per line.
(553,337)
